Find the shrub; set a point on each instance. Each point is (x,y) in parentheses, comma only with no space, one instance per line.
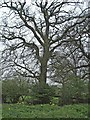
(74,91)
(13,89)
(54,101)
(42,94)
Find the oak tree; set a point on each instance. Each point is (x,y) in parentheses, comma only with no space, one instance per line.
(32,34)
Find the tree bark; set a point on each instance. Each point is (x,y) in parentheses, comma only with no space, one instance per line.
(44,64)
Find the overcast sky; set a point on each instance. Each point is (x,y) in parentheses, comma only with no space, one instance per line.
(28,2)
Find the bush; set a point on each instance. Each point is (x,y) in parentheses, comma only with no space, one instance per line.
(74,91)
(42,94)
(27,100)
(13,89)
(55,100)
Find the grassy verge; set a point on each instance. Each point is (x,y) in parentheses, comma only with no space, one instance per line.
(0,111)
(44,111)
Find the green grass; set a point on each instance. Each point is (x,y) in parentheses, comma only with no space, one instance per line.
(0,111)
(44,111)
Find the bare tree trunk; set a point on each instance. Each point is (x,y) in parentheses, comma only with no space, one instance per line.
(43,74)
(44,63)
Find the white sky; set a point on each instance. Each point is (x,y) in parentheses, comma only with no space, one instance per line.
(28,2)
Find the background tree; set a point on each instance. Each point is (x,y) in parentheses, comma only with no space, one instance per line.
(73,83)
(72,87)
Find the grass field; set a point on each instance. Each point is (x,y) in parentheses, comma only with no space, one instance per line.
(44,111)
(0,111)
